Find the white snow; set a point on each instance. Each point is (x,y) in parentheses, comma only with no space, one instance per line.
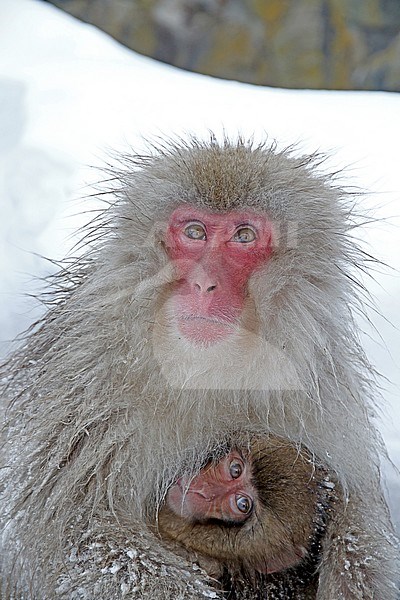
(69,94)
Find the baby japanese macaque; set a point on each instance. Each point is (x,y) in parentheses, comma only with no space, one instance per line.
(261,509)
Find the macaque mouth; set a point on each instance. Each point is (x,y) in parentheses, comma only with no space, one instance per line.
(213,320)
(205,330)
(184,486)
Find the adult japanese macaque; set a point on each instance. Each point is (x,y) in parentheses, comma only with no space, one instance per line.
(216,296)
(256,511)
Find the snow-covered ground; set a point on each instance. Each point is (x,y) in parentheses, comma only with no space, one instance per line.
(69,94)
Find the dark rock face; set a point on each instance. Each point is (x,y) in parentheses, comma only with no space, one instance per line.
(331,44)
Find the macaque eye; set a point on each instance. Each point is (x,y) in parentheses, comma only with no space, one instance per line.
(195,231)
(235,469)
(244,235)
(244,504)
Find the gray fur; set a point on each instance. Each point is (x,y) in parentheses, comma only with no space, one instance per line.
(101,413)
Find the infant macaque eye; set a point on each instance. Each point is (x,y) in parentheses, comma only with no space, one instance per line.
(235,469)
(244,504)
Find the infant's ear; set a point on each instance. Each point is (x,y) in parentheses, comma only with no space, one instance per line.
(291,558)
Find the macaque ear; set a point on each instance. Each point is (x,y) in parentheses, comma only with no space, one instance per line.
(281,561)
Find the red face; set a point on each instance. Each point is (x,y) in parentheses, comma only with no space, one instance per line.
(223,491)
(214,255)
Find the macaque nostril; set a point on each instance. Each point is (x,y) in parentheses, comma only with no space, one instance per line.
(205,288)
